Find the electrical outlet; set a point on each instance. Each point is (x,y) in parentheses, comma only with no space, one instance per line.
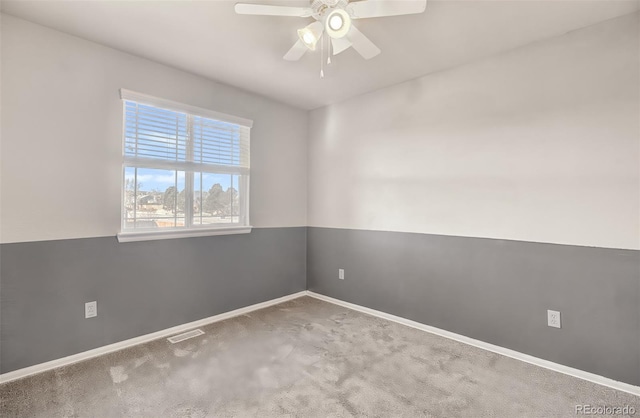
(91,309)
(341,274)
(553,319)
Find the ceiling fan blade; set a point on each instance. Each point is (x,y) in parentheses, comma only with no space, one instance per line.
(296,52)
(340,44)
(269,10)
(362,44)
(381,8)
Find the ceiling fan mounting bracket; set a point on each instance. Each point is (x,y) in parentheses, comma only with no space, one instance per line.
(320,7)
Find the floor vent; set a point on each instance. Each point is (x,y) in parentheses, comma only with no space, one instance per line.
(185,336)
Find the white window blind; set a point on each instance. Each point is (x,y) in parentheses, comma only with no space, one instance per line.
(184,167)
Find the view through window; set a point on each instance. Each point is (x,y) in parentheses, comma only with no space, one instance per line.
(182,169)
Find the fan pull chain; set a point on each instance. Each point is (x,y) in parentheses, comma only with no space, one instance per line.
(322,56)
(329,51)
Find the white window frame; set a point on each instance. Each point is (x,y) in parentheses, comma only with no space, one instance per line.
(127,235)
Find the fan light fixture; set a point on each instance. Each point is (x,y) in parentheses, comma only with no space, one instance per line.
(338,23)
(310,35)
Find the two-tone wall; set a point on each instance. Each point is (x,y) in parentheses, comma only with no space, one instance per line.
(61,176)
(472,200)
(510,186)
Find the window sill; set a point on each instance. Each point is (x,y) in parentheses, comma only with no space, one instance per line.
(187,233)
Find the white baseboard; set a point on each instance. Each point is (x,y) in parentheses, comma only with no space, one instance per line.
(39,368)
(594,378)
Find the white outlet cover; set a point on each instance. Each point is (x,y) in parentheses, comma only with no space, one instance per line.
(553,319)
(341,274)
(91,309)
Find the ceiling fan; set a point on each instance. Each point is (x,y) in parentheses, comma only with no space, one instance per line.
(335,18)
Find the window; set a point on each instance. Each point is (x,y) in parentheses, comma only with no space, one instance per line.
(186,170)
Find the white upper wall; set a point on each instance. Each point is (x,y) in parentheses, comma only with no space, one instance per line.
(537,144)
(61,150)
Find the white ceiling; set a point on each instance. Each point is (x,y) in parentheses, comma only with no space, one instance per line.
(209,39)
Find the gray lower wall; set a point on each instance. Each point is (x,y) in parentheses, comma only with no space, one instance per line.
(140,287)
(492,290)
(495,291)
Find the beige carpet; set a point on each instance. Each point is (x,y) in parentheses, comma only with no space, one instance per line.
(304,358)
